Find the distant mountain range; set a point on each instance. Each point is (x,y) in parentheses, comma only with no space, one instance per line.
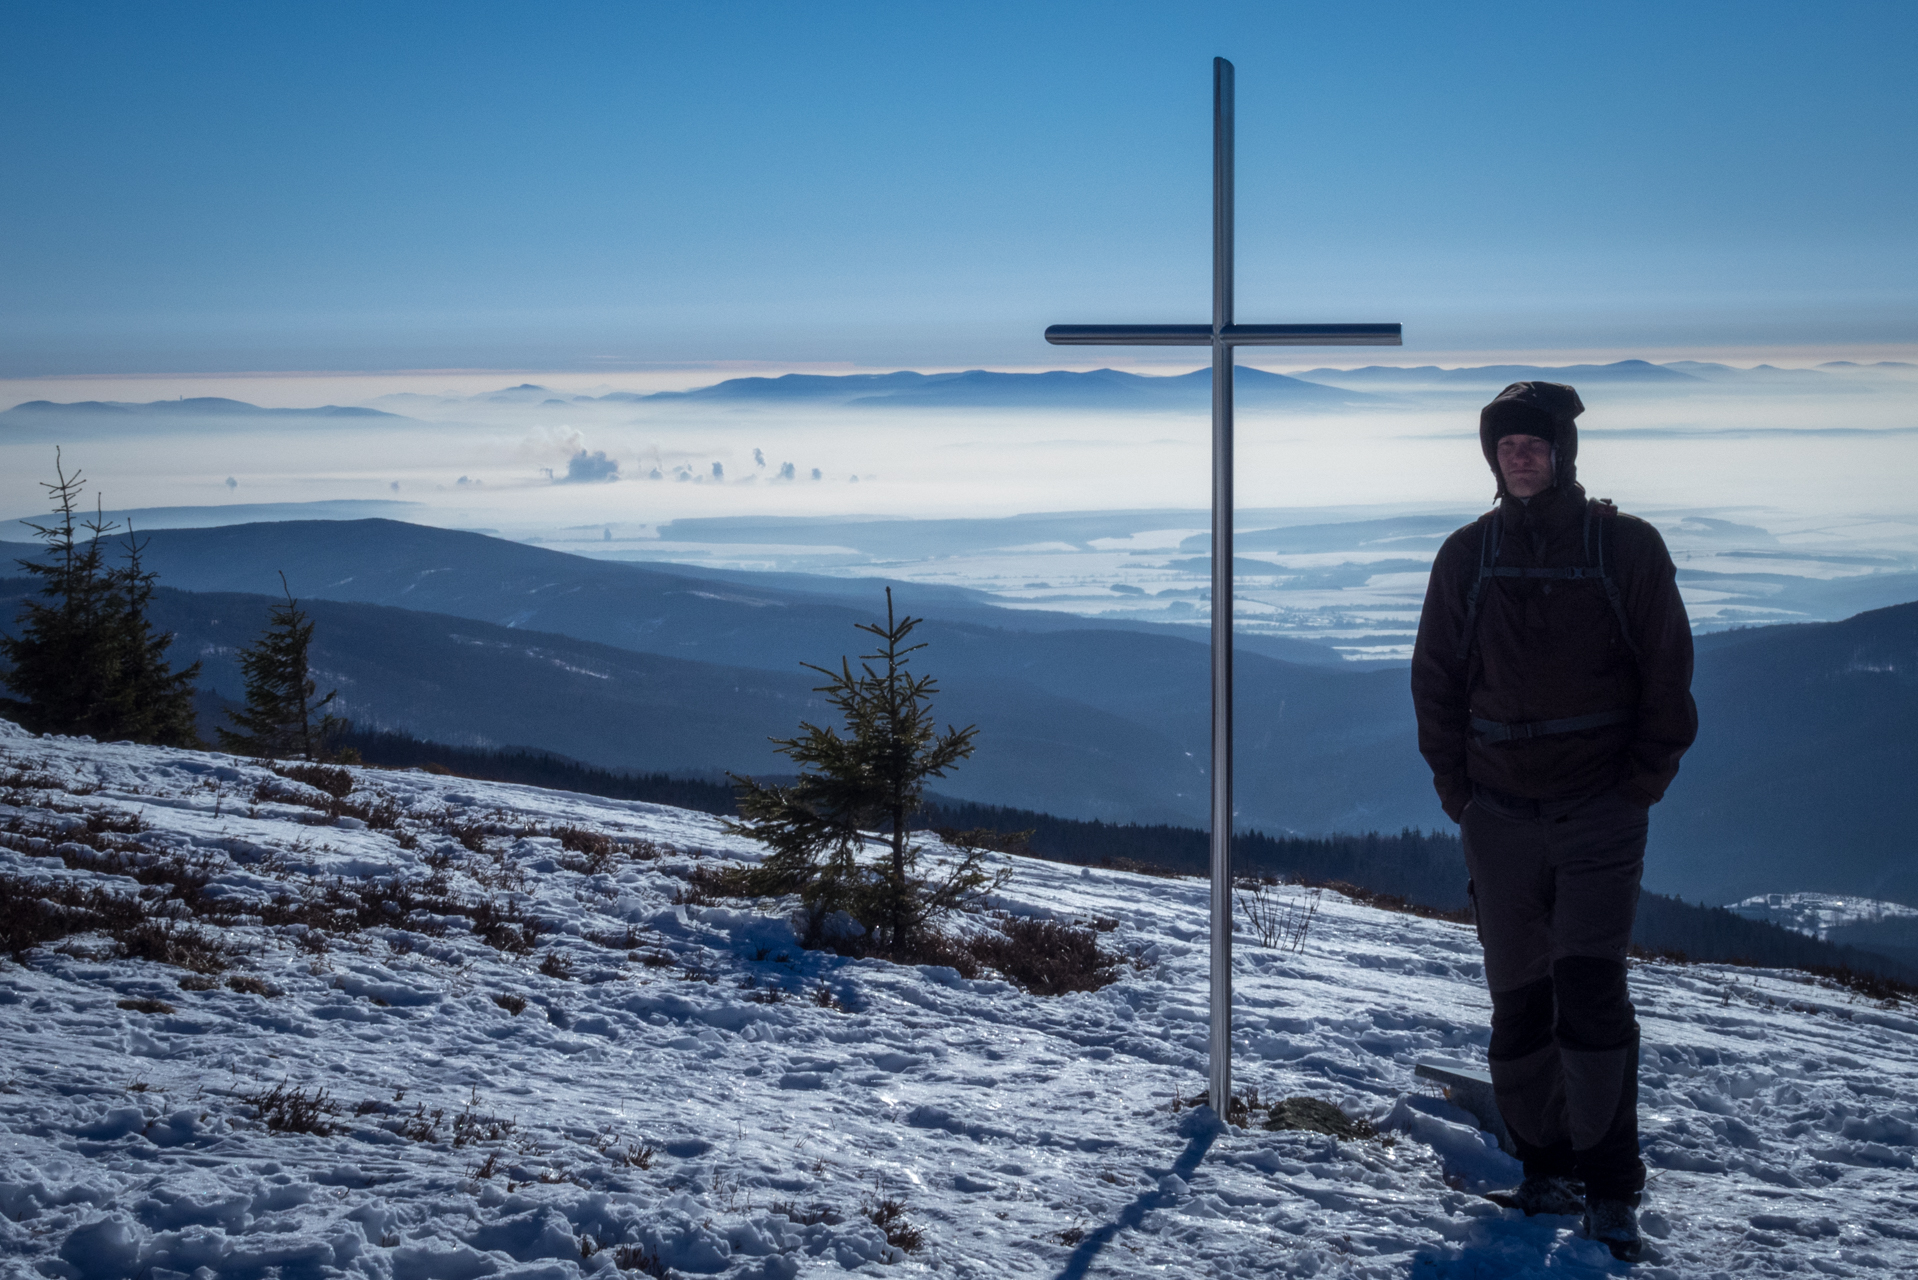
(53,420)
(981,388)
(1501,374)
(1098,389)
(1112,389)
(1801,778)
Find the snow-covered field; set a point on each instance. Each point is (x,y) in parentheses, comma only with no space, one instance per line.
(653,1105)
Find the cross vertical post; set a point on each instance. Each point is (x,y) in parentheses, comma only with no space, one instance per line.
(1222,335)
(1219,1044)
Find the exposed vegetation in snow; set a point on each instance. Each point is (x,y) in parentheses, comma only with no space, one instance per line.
(395,1024)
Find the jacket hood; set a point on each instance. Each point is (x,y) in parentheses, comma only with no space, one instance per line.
(1548,410)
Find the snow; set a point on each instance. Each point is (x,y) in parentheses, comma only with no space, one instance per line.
(1025,1135)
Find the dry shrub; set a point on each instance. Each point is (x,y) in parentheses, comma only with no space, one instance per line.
(960,954)
(28,775)
(185,879)
(597,849)
(284,1110)
(422,1125)
(470,834)
(635,1156)
(247,984)
(180,945)
(890,1217)
(471,1126)
(1390,901)
(32,913)
(989,839)
(637,1257)
(1275,923)
(415,905)
(1144,868)
(1886,991)
(1046,957)
(102,824)
(513,1004)
(146,1005)
(707,885)
(381,814)
(505,928)
(807,1217)
(629,940)
(554,964)
(336,782)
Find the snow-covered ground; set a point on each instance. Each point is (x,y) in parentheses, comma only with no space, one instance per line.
(676,1115)
(1819,913)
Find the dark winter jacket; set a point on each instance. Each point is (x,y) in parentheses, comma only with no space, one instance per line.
(1552,649)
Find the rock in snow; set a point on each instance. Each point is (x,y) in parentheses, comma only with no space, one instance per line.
(521,1056)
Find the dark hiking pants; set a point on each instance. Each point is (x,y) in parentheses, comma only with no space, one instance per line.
(1555,885)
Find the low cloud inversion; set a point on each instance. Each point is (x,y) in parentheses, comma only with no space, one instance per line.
(587,468)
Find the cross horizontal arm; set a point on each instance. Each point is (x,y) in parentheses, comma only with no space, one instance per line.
(1232,335)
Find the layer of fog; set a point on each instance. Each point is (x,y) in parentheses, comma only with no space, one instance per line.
(1814,466)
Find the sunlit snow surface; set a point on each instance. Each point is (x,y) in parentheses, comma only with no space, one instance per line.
(1025,1136)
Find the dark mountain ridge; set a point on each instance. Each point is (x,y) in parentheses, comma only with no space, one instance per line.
(474,684)
(1132,698)
(1800,780)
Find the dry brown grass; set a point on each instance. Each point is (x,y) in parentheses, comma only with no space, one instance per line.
(1047,957)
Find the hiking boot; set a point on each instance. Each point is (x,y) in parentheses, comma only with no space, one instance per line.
(1614,1224)
(1543,1194)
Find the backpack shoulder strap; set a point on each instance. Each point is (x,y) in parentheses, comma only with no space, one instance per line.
(1606,516)
(1491,536)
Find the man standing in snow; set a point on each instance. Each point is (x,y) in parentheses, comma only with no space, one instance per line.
(1552,679)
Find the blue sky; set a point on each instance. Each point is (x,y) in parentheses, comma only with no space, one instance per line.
(214,187)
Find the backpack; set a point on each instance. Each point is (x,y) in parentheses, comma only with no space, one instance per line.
(1600,551)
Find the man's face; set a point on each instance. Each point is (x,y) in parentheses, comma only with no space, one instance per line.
(1526,464)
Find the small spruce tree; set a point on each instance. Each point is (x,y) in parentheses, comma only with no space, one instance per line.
(86,659)
(282,717)
(150,701)
(870,777)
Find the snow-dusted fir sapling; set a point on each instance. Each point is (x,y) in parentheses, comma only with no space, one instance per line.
(283,716)
(86,659)
(868,776)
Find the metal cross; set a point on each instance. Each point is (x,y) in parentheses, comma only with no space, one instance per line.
(1222,335)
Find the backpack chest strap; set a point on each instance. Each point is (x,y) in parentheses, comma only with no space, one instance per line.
(1491,542)
(1567,571)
